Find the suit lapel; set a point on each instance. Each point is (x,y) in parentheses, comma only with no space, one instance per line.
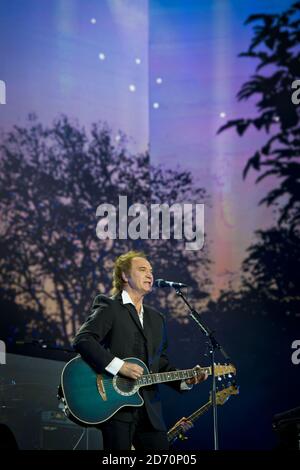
(148,333)
(133,313)
(148,327)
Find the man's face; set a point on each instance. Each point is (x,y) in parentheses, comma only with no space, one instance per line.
(140,278)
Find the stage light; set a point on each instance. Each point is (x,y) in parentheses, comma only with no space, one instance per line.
(102,56)
(138,61)
(159,80)
(132,88)
(93,20)
(155,105)
(222,115)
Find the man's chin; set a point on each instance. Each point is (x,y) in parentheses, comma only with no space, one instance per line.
(147,290)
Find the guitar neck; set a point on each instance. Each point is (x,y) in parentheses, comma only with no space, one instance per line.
(194,416)
(176,431)
(162,377)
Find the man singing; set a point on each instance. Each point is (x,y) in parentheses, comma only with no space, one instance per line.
(122,326)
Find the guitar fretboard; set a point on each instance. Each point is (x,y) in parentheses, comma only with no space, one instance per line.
(161,377)
(194,416)
(175,432)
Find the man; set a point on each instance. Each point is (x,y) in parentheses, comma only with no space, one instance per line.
(120,327)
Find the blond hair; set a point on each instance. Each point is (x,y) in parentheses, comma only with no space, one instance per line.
(123,264)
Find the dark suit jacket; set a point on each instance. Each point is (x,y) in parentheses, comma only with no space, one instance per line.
(114,330)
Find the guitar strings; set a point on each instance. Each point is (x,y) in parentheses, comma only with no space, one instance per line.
(125,380)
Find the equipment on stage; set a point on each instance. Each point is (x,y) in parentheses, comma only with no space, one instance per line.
(177,285)
(30,418)
(58,432)
(163,283)
(92,398)
(222,396)
(213,346)
(287,427)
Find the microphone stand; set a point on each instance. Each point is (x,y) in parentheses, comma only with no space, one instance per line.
(213,345)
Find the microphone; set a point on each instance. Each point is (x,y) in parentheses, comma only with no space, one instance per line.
(163,283)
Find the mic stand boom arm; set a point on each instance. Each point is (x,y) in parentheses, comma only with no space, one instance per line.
(213,345)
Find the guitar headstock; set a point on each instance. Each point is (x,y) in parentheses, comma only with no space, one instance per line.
(223,395)
(224,369)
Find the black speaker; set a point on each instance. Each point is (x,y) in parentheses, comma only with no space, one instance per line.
(59,433)
(287,427)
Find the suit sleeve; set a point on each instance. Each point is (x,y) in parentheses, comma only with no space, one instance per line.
(93,332)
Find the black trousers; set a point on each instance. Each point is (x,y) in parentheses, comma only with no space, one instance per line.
(119,435)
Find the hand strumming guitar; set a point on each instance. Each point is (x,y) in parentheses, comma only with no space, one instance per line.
(133,371)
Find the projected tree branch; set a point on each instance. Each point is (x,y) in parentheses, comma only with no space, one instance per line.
(275,44)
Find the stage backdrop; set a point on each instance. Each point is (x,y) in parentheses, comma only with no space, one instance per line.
(125,105)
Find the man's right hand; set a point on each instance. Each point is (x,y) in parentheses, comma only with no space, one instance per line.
(133,371)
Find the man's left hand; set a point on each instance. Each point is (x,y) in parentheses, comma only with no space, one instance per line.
(200,377)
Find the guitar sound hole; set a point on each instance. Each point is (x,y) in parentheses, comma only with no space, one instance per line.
(125,385)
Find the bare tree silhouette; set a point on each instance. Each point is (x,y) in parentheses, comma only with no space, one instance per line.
(276,45)
(52,180)
(271,267)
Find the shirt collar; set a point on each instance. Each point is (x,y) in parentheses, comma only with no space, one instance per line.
(126,299)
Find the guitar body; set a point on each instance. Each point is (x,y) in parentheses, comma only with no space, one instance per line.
(92,398)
